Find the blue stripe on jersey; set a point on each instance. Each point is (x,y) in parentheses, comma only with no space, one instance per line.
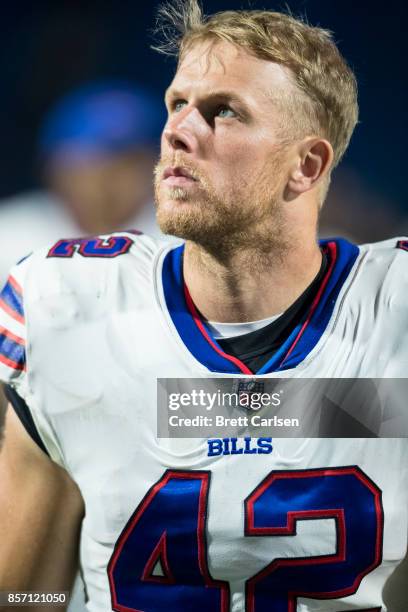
(342,256)
(11,299)
(173,287)
(341,260)
(12,351)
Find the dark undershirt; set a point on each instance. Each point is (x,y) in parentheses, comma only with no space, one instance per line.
(254,349)
(257,347)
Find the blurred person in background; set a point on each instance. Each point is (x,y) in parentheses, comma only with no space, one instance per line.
(97,148)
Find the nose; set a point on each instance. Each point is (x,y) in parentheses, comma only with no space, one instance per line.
(184,130)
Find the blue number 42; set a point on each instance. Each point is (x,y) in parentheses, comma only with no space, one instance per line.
(158,566)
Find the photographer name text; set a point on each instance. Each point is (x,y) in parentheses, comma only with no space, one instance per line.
(254,420)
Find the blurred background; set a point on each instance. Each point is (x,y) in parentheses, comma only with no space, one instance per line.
(81,111)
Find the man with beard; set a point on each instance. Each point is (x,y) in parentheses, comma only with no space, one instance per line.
(260,110)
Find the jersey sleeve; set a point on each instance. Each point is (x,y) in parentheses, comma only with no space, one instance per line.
(13,350)
(395,318)
(55,311)
(13,330)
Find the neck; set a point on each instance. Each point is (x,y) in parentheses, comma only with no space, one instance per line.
(247,284)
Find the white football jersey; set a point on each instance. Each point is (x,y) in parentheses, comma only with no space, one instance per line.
(289,525)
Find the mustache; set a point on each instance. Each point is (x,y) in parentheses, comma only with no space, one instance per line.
(177,161)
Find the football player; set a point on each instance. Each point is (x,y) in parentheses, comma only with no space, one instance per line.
(260,110)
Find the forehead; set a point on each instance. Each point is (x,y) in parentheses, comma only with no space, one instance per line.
(209,65)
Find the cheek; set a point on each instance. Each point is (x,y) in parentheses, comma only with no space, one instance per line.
(239,167)
(243,154)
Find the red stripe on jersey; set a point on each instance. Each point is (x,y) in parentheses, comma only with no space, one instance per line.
(12,364)
(333,253)
(15,315)
(201,327)
(16,286)
(11,336)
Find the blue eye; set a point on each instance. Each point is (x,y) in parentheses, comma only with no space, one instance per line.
(225,112)
(178,105)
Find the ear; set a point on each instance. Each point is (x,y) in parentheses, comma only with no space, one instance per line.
(314,158)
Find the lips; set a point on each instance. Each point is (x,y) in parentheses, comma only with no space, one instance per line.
(178,177)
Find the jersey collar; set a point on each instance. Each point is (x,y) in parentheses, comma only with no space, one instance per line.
(202,345)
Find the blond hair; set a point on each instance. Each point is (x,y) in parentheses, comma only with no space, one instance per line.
(326,88)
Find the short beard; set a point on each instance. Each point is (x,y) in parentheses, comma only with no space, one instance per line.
(223,225)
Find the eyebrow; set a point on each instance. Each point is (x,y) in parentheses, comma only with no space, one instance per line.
(231,96)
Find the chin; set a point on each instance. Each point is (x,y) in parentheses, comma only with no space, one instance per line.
(176,222)
(184,220)
(181,213)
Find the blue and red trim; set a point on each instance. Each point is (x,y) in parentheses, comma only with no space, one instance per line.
(186,320)
(12,350)
(203,329)
(11,299)
(402,244)
(202,345)
(92,247)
